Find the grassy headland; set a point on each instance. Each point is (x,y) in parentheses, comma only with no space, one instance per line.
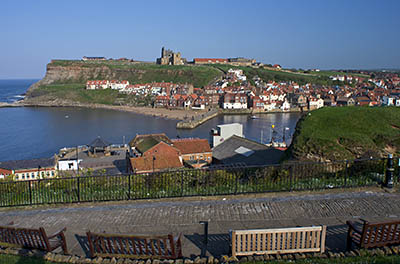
(136,72)
(65,80)
(347,133)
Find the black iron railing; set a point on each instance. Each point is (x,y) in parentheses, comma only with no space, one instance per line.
(200,182)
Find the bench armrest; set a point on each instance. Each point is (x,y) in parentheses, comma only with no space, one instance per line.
(58,233)
(353,227)
(363,220)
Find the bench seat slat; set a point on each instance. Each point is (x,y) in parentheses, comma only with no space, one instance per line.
(166,247)
(279,240)
(374,234)
(32,238)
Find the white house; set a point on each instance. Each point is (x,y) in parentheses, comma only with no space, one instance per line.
(64,165)
(118,85)
(388,100)
(316,103)
(269,105)
(235,101)
(286,105)
(97,84)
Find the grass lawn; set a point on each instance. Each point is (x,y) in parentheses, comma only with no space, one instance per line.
(9,259)
(78,93)
(339,133)
(347,260)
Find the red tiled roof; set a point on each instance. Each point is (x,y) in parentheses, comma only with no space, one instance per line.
(191,145)
(160,162)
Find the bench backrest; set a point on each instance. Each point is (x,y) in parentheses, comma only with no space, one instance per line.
(23,237)
(277,241)
(143,247)
(380,234)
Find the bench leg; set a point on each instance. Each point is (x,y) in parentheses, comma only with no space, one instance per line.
(64,244)
(64,248)
(349,241)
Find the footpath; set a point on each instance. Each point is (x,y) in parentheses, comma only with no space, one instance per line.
(183,216)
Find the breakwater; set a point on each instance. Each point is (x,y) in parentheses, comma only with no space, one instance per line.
(197,121)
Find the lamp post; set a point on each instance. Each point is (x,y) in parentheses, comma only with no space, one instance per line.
(205,238)
(389,172)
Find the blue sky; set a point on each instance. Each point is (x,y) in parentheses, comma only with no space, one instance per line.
(296,34)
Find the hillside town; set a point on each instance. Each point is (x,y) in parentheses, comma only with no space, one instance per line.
(235,91)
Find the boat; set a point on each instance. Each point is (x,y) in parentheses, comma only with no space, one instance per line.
(254,117)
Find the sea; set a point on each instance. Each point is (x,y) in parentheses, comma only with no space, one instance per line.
(39,132)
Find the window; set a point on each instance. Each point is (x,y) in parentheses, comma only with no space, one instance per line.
(52,173)
(16,177)
(23,176)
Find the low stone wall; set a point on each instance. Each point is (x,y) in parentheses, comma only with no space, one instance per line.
(197,122)
(59,258)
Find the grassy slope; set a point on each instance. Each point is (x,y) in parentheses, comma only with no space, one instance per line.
(321,78)
(347,132)
(9,259)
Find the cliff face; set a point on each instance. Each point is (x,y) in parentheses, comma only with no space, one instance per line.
(78,72)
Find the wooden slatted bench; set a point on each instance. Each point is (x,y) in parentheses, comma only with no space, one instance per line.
(32,238)
(373,234)
(278,240)
(131,246)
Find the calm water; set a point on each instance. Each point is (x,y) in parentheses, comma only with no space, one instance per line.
(33,132)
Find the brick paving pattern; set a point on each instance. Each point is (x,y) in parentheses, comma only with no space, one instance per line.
(183,216)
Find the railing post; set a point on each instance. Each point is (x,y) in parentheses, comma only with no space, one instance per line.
(129,186)
(181,183)
(345,172)
(389,172)
(236,181)
(30,192)
(78,189)
(290,178)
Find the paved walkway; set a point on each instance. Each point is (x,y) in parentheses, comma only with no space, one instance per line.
(183,216)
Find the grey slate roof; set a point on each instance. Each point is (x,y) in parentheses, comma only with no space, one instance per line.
(99,143)
(259,154)
(27,164)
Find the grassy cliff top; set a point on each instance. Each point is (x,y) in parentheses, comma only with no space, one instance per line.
(346,133)
(140,72)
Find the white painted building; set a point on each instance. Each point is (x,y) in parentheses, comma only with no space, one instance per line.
(316,103)
(64,165)
(223,132)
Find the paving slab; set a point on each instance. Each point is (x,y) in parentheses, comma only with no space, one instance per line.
(182,216)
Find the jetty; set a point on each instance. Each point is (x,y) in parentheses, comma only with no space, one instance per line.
(197,121)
